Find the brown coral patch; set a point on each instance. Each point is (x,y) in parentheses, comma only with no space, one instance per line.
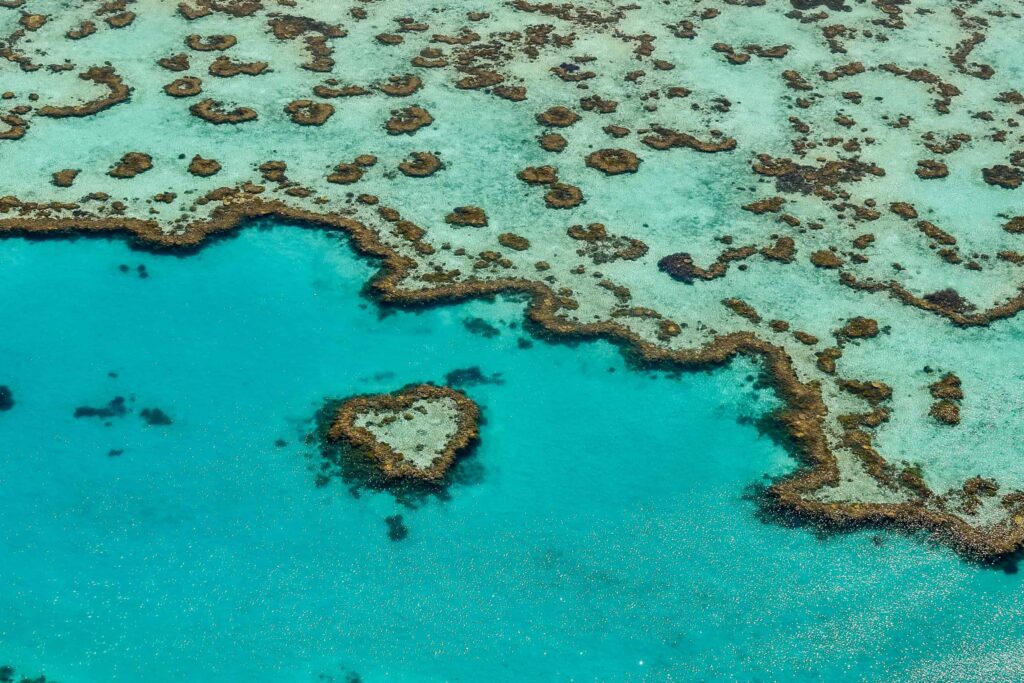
(203,168)
(17,127)
(234,8)
(214,43)
(289,27)
(32,22)
(346,174)
(805,338)
(563,196)
(472,216)
(666,138)
(476,79)
(189,86)
(770,204)
(558,117)
(948,388)
(225,67)
(100,75)
(513,93)
(872,391)
(602,247)
(178,62)
(309,112)
(743,309)
(821,181)
(513,241)
(420,165)
(1003,176)
(598,104)
(121,19)
(945,412)
(859,328)
(83,30)
(274,171)
(329,91)
(66,177)
(613,161)
(430,58)
(213,111)
(903,210)
(131,165)
(824,258)
(408,120)
(539,175)
(929,169)
(553,142)
(401,86)
(783,250)
(1015,225)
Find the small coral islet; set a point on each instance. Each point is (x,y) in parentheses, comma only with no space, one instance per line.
(415,433)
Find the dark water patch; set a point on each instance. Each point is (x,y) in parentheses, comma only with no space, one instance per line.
(378,376)
(8,674)
(834,5)
(115,408)
(471,377)
(280,443)
(772,426)
(346,676)
(397,530)
(154,417)
(6,398)
(140,270)
(481,327)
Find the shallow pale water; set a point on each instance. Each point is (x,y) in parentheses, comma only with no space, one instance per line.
(602,531)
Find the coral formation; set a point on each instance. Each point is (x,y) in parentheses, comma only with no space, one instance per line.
(131,165)
(213,111)
(415,433)
(613,161)
(860,207)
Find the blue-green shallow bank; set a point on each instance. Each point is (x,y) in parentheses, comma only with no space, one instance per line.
(604,530)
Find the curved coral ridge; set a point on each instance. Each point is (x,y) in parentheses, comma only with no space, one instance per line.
(866,169)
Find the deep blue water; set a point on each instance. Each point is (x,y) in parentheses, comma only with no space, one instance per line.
(602,531)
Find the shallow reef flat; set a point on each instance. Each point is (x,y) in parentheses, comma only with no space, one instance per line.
(830,187)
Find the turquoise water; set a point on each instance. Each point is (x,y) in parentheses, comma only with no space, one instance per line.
(603,530)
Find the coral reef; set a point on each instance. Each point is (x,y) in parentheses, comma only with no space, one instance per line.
(821,226)
(212,110)
(131,165)
(613,161)
(203,168)
(408,120)
(415,433)
(309,113)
